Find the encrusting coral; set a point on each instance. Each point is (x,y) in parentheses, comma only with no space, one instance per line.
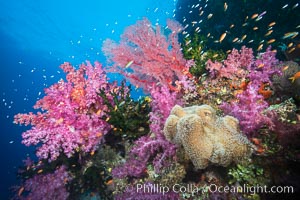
(207,138)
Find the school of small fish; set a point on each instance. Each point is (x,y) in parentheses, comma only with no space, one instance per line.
(244,33)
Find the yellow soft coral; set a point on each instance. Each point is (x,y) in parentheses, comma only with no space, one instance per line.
(205,137)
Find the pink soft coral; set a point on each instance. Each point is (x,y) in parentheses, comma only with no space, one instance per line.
(235,66)
(146,56)
(72,116)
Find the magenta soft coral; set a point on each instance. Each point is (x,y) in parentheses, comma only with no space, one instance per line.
(146,56)
(249,110)
(250,105)
(48,186)
(71,114)
(153,148)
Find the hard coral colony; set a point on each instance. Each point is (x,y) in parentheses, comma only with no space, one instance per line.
(184,130)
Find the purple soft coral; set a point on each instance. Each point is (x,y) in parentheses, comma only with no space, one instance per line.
(264,67)
(154,148)
(48,186)
(250,105)
(249,111)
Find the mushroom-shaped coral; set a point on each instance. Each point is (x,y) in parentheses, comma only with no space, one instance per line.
(207,138)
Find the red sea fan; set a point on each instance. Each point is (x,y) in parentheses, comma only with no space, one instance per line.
(146,56)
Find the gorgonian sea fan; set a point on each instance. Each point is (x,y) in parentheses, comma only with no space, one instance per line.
(146,56)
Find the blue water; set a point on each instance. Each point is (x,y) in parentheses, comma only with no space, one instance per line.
(36,36)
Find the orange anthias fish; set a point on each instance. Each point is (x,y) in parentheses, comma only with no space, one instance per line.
(296,76)
(20,191)
(258,145)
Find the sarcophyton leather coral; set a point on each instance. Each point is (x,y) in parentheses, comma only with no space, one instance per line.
(207,138)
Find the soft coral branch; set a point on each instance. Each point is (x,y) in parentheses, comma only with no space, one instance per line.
(72,116)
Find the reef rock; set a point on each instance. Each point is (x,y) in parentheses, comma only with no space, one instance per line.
(207,138)
(282,84)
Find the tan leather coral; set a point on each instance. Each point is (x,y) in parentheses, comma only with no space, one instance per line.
(207,138)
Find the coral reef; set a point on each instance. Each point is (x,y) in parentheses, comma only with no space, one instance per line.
(205,137)
(93,140)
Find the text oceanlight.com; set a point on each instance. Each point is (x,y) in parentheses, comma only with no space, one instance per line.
(212,188)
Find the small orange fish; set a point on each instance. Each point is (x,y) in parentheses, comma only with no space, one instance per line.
(40,171)
(21,190)
(269,33)
(98,112)
(296,76)
(272,24)
(254,16)
(260,47)
(235,39)
(60,120)
(99,134)
(256,141)
(285,68)
(243,85)
(291,50)
(109,182)
(260,150)
(271,41)
(261,65)
(66,180)
(290,45)
(255,28)
(92,153)
(222,37)
(215,55)
(244,37)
